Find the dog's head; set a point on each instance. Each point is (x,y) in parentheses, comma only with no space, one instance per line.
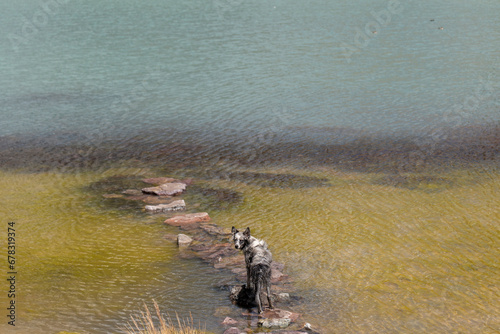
(240,238)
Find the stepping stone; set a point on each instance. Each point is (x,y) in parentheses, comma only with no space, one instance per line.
(167,189)
(174,206)
(183,240)
(187,219)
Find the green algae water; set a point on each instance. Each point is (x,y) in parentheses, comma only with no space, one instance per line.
(364,257)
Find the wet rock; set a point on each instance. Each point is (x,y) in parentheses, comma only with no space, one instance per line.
(213,253)
(174,206)
(275,323)
(214,229)
(184,240)
(280,314)
(189,218)
(229,321)
(112,196)
(277,276)
(229,261)
(282,297)
(308,329)
(167,189)
(233,330)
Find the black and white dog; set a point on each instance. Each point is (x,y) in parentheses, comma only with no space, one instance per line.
(258,263)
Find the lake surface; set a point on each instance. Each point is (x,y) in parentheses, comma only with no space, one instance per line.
(394,104)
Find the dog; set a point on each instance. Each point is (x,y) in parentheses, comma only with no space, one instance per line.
(258,261)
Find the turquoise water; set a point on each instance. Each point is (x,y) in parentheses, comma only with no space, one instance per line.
(401,117)
(121,67)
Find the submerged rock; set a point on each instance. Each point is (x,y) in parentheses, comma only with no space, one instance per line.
(112,196)
(159,180)
(189,218)
(280,314)
(174,206)
(167,189)
(184,240)
(214,229)
(229,321)
(234,330)
(132,192)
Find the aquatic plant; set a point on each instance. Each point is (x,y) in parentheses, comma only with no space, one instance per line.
(145,324)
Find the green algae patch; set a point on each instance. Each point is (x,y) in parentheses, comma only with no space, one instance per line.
(74,255)
(359,248)
(424,248)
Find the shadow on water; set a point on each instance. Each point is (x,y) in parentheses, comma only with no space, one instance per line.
(267,180)
(455,148)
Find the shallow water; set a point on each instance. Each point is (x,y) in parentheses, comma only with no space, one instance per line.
(364,257)
(373,176)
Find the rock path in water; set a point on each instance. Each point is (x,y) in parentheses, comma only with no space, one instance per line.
(203,239)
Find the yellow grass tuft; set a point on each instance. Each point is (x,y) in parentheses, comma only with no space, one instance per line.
(145,324)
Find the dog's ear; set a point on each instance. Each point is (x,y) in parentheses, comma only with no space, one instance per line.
(233,230)
(247,232)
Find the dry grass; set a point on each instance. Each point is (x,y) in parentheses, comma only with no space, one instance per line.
(145,324)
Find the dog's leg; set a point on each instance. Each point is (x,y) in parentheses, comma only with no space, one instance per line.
(269,297)
(249,286)
(257,297)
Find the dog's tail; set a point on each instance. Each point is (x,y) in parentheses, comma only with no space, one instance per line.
(261,275)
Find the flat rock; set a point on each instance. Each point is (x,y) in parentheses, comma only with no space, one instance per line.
(280,314)
(275,314)
(113,196)
(277,276)
(167,189)
(233,330)
(229,321)
(214,253)
(174,206)
(229,261)
(163,180)
(189,218)
(184,240)
(214,229)
(273,323)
